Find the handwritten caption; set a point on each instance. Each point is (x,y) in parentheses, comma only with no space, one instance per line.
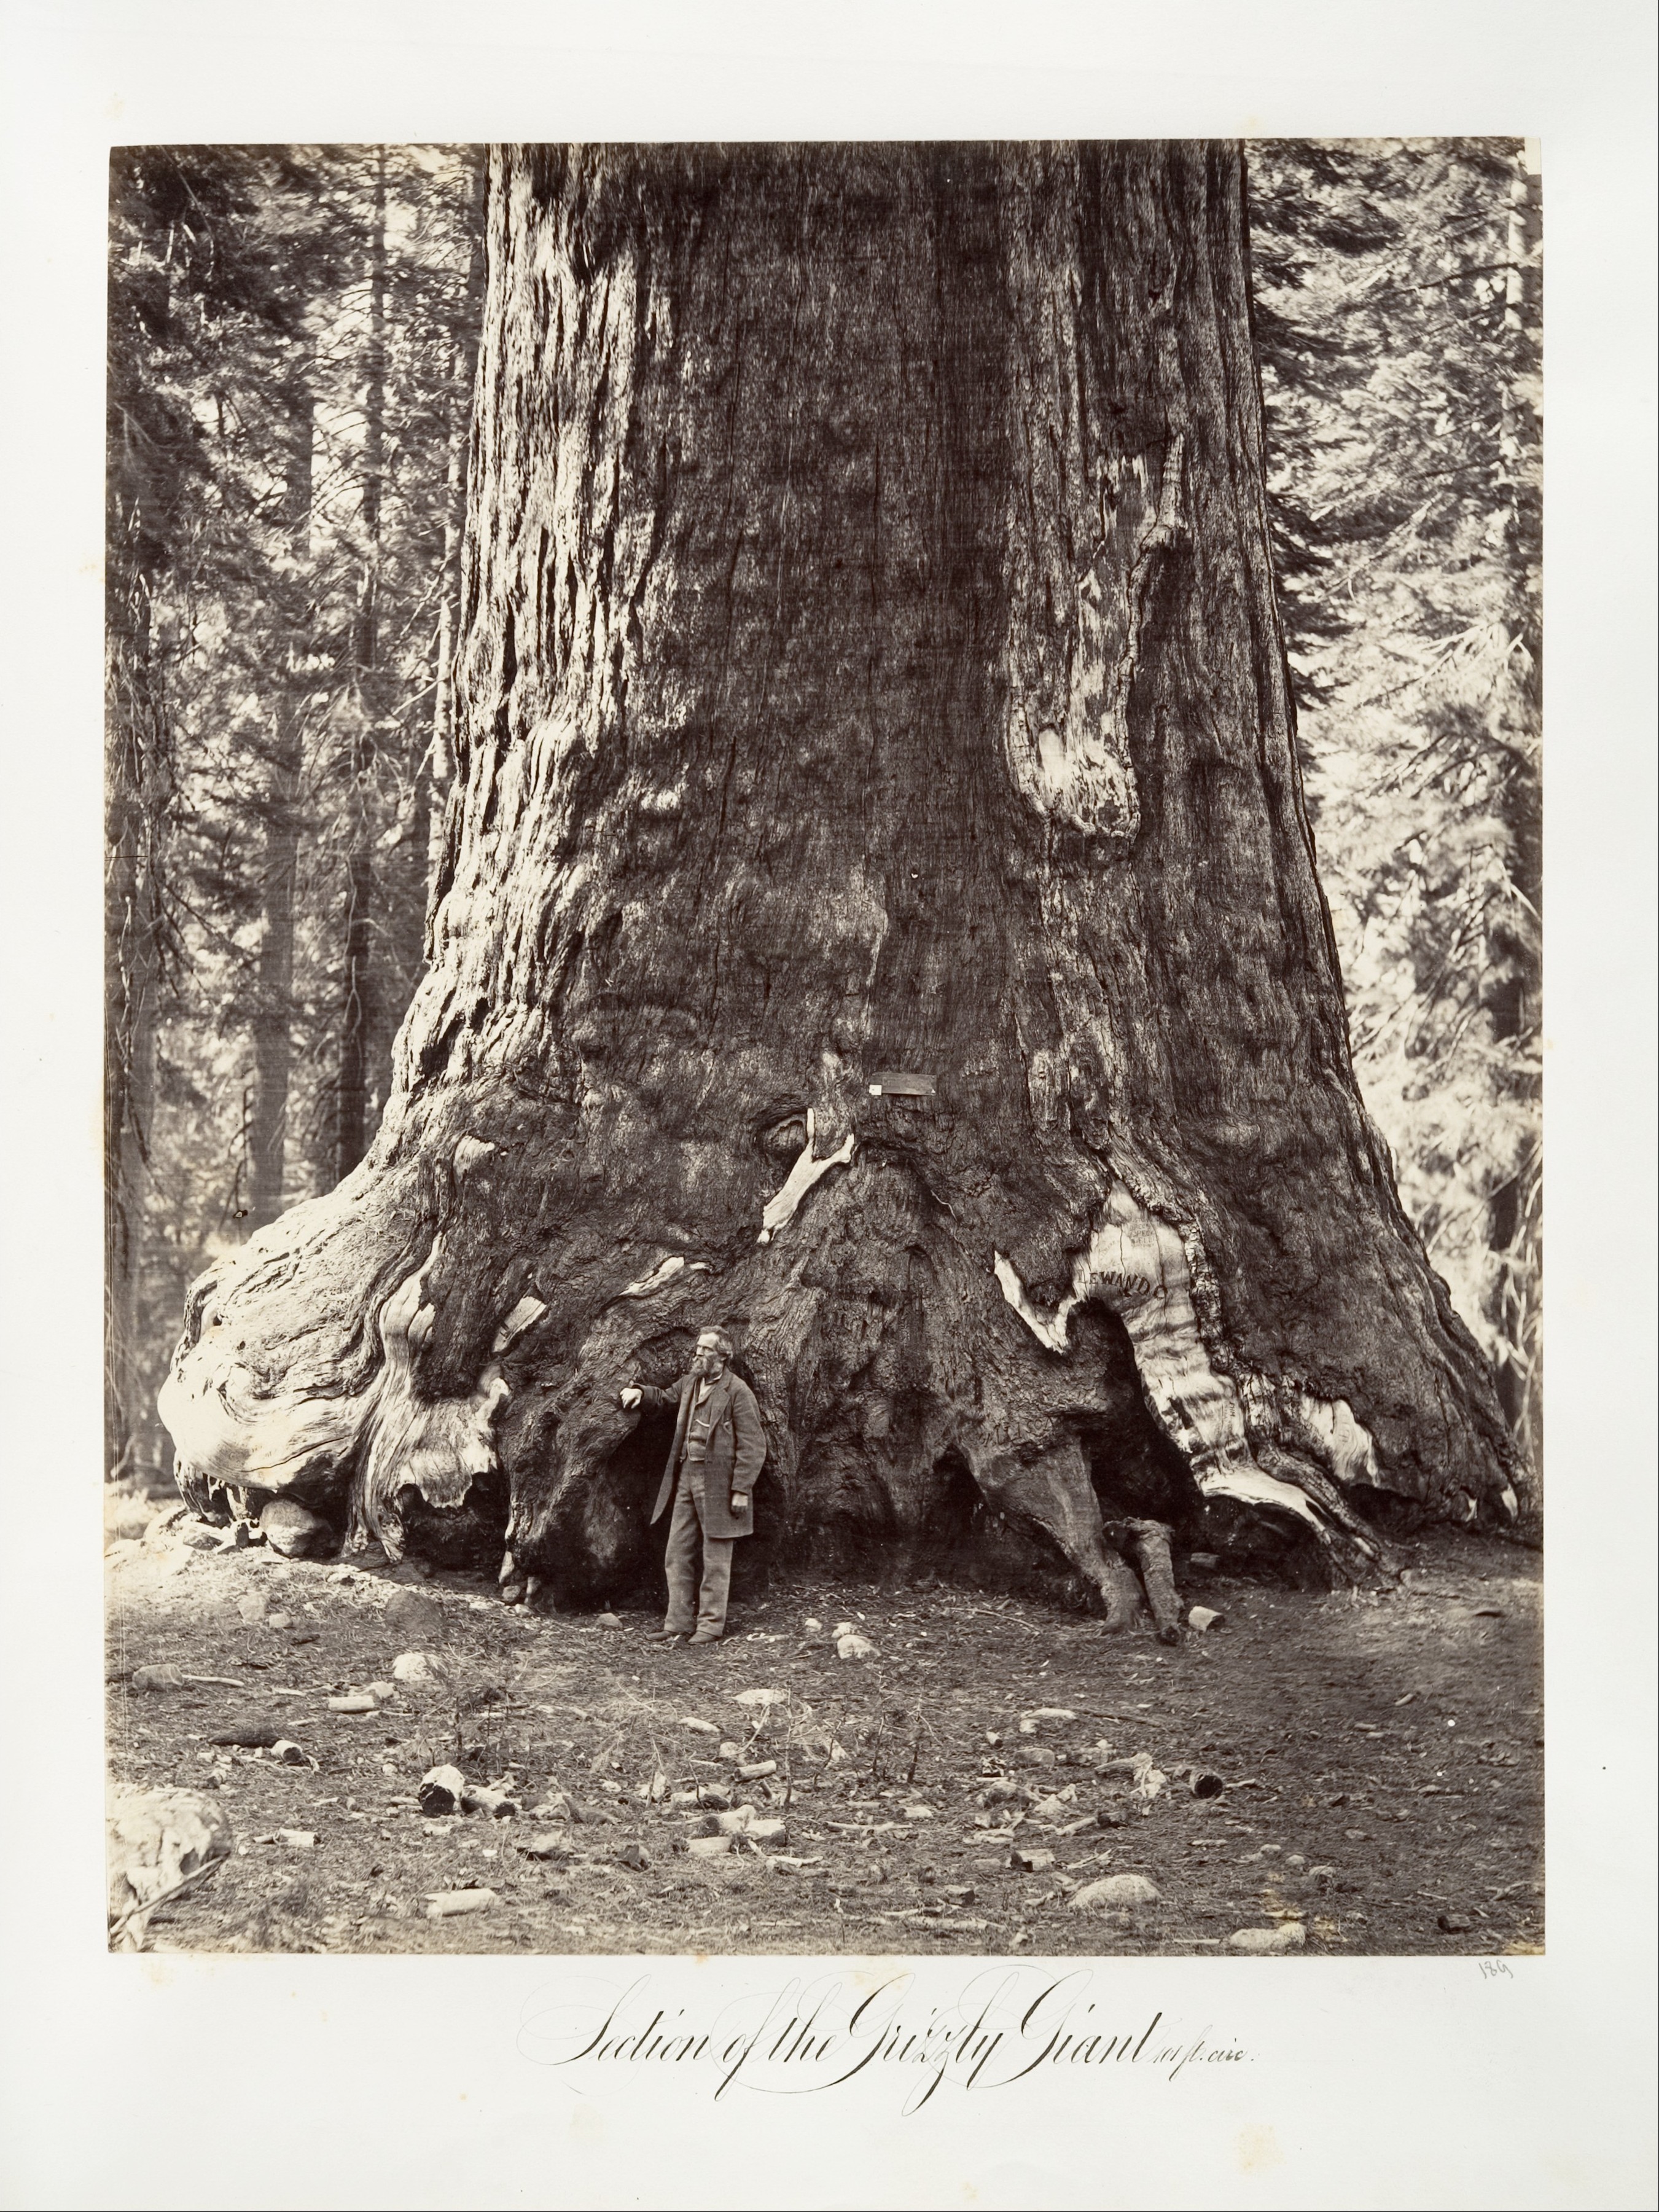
(1003,2026)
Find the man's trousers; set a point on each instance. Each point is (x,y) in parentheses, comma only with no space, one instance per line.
(686,1532)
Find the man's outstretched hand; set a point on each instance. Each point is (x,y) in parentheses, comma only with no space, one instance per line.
(739,1500)
(630,1397)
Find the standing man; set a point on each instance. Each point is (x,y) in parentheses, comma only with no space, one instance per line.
(719,1449)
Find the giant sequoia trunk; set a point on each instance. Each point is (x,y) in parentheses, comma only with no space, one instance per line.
(877,913)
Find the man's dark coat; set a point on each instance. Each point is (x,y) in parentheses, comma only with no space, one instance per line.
(737,1449)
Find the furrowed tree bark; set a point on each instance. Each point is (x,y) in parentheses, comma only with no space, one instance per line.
(877,914)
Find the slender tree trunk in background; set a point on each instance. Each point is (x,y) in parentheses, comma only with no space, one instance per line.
(357,999)
(463,368)
(880,913)
(273,1017)
(138,798)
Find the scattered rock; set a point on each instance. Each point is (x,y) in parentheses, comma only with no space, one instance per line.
(608,1620)
(412,1614)
(961,1893)
(1030,1862)
(712,1793)
(699,1727)
(918,1812)
(441,1790)
(545,1845)
(380,1691)
(708,1847)
(768,1831)
(849,1645)
(1035,1754)
(1116,1889)
(279,1620)
(1261,1942)
(287,1753)
(296,1840)
(632,1855)
(355,1701)
(499,1804)
(157,1839)
(997,1791)
(731,1753)
(126,1519)
(305,1636)
(201,1536)
(454,1901)
(1202,1617)
(411,1667)
(1038,1714)
(761,1698)
(164,1677)
(756,1769)
(253,1735)
(251,1608)
(1454,1923)
(288,1528)
(1109,1817)
(1205,1562)
(737,1822)
(812,1627)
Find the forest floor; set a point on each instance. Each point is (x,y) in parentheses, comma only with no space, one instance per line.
(1381,1756)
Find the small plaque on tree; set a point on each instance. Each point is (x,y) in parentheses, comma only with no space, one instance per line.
(897,1083)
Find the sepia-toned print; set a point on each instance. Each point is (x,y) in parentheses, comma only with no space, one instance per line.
(824,916)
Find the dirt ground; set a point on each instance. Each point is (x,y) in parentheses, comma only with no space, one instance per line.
(1381,1758)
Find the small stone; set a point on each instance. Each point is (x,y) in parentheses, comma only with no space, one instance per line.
(712,1793)
(252,1607)
(1295,1859)
(1116,1889)
(498,1804)
(1454,1923)
(762,1697)
(305,1636)
(252,1735)
(287,1753)
(355,1701)
(297,1839)
(1263,1942)
(279,1620)
(708,1847)
(918,1812)
(734,1823)
(1202,1618)
(699,1727)
(441,1790)
(851,1645)
(411,1667)
(768,1831)
(608,1620)
(1035,1754)
(1109,1817)
(756,1769)
(731,1753)
(1030,1862)
(289,1528)
(164,1677)
(200,1536)
(1205,1562)
(455,1901)
(380,1690)
(545,1845)
(961,1893)
(411,1613)
(632,1854)
(812,1627)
